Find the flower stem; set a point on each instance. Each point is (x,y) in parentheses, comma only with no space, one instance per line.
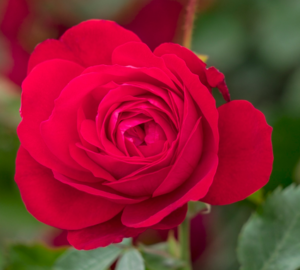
(184,241)
(189,23)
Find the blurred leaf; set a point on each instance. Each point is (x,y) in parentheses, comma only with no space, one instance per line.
(126,242)
(9,144)
(257,197)
(74,11)
(16,224)
(173,246)
(291,95)
(10,96)
(222,37)
(253,82)
(159,259)
(270,239)
(286,147)
(223,227)
(35,257)
(277,32)
(131,260)
(161,247)
(97,259)
(296,175)
(1,260)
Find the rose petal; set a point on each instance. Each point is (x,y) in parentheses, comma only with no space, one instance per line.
(93,41)
(51,76)
(201,96)
(172,220)
(88,131)
(152,149)
(140,185)
(138,54)
(60,129)
(98,190)
(49,50)
(185,163)
(154,76)
(245,155)
(152,211)
(190,117)
(57,204)
(118,168)
(101,235)
(192,61)
(217,79)
(80,156)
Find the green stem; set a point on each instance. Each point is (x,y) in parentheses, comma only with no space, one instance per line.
(184,241)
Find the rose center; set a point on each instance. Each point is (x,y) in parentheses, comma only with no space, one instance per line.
(145,134)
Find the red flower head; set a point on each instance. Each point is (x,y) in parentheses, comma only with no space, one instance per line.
(116,138)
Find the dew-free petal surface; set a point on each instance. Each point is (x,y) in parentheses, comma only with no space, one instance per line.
(245,153)
(152,211)
(172,220)
(101,235)
(93,41)
(55,203)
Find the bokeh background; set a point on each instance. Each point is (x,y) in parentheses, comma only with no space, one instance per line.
(255,43)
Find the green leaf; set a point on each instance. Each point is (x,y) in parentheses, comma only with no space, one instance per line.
(126,242)
(1,259)
(286,147)
(270,239)
(131,260)
(97,259)
(157,258)
(34,257)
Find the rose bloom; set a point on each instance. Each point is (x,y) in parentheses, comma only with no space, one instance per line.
(116,138)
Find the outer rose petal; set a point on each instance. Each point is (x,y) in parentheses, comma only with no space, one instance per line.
(37,105)
(88,43)
(49,50)
(93,41)
(209,77)
(101,235)
(193,62)
(172,220)
(57,204)
(245,153)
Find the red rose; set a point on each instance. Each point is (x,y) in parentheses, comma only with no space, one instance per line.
(116,138)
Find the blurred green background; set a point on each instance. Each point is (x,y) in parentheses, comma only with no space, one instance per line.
(256,44)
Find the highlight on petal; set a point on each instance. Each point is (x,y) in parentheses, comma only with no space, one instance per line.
(245,153)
